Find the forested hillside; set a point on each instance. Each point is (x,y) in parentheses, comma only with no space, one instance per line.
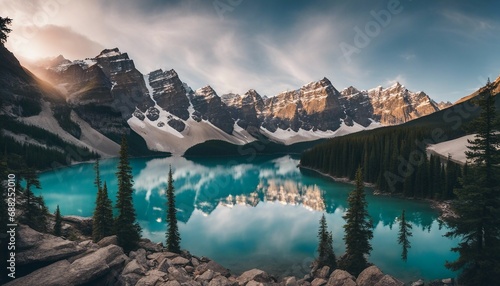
(394,158)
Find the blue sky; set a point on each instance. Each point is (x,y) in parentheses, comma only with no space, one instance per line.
(446,48)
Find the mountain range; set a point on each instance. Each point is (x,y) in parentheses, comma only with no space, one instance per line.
(91,102)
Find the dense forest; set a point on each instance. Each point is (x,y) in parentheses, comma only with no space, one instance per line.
(22,155)
(392,158)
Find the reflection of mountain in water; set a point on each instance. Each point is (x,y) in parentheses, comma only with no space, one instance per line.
(284,191)
(203,184)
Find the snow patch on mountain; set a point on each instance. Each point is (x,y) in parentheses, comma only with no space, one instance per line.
(455,148)
(47,121)
(102,144)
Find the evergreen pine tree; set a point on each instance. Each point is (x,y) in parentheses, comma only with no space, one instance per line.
(126,228)
(34,208)
(4,30)
(358,230)
(172,234)
(325,246)
(404,235)
(102,219)
(58,222)
(478,202)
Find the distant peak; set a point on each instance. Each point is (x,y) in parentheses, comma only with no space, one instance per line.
(207,90)
(109,53)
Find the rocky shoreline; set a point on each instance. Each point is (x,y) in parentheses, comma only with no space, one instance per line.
(44,259)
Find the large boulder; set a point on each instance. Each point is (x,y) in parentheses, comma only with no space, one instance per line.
(88,269)
(323,272)
(149,246)
(341,278)
(212,265)
(49,275)
(35,247)
(83,224)
(318,282)
(256,275)
(220,281)
(108,240)
(370,276)
(133,267)
(388,280)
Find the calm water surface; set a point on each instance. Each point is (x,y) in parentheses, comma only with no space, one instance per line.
(263,213)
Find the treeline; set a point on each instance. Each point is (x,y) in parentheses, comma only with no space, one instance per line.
(394,159)
(25,155)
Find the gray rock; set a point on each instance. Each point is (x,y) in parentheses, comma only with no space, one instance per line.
(129,279)
(318,282)
(369,276)
(170,255)
(178,125)
(164,265)
(447,281)
(254,274)
(113,239)
(84,224)
(206,276)
(140,256)
(214,266)
(388,280)
(178,274)
(35,247)
(158,256)
(49,275)
(88,244)
(97,264)
(195,262)
(149,246)
(133,267)
(189,268)
(171,283)
(341,278)
(254,283)
(419,282)
(323,272)
(150,280)
(290,281)
(83,270)
(219,281)
(191,283)
(180,261)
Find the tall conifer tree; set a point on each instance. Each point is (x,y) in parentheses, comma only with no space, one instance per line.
(126,227)
(172,234)
(102,225)
(58,222)
(326,256)
(358,229)
(478,202)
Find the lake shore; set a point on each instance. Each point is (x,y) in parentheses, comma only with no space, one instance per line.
(444,207)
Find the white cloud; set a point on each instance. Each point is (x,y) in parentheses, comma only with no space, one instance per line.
(399,78)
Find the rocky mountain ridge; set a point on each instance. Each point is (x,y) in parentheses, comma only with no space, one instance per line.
(113,97)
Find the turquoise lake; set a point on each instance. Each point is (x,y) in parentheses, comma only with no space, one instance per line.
(259,213)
